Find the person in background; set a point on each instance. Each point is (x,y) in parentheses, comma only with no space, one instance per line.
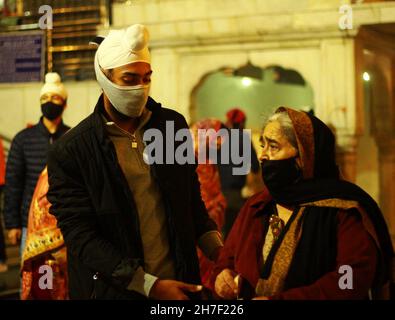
(28,157)
(3,256)
(210,187)
(232,185)
(130,227)
(309,234)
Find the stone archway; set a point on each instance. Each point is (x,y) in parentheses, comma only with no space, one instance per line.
(258,91)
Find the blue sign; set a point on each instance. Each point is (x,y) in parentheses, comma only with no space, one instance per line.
(22,57)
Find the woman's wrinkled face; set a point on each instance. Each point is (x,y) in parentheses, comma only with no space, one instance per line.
(275,145)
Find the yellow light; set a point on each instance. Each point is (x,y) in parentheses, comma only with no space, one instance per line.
(246,81)
(366,76)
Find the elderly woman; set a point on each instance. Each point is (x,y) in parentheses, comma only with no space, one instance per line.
(309,235)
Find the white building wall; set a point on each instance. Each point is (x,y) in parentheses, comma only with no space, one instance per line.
(192,37)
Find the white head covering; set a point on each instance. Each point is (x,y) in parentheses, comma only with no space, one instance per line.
(53,84)
(124,46)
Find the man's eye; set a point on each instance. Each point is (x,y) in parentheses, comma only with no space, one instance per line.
(273,146)
(128,80)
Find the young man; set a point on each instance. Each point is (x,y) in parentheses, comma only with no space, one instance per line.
(28,156)
(130,228)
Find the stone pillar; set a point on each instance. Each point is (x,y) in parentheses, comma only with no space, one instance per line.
(346,155)
(347,160)
(387,182)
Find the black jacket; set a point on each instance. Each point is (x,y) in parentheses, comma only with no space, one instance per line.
(26,160)
(96,213)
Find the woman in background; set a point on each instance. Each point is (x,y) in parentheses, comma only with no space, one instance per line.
(210,187)
(44,247)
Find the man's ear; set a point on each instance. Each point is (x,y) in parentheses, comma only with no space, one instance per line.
(97,41)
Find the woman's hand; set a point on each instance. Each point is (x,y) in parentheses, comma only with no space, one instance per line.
(225,285)
(14,235)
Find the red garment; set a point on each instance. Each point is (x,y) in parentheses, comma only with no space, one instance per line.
(214,200)
(44,246)
(210,189)
(356,248)
(236,116)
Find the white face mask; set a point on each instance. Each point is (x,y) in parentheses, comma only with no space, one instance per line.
(128,100)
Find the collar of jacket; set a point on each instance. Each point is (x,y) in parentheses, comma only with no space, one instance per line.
(61,129)
(151,105)
(258,202)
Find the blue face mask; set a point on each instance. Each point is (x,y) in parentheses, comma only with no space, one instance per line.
(128,100)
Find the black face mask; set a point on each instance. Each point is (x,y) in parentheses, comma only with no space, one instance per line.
(51,110)
(278,174)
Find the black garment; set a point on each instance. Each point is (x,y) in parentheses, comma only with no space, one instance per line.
(324,185)
(316,252)
(277,174)
(317,249)
(26,160)
(231,184)
(229,181)
(95,209)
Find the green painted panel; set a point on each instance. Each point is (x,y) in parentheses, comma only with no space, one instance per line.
(221,92)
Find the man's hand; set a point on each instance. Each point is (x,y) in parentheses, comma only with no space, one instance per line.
(172,290)
(214,256)
(14,235)
(261,298)
(225,284)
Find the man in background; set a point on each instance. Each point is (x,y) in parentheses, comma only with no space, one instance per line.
(232,185)
(28,156)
